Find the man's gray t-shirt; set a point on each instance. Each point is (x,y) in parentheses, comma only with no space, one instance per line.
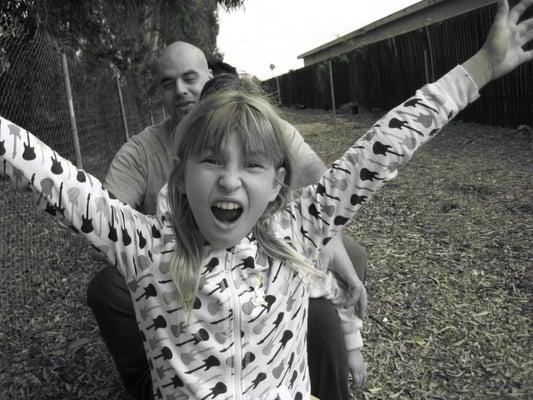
(142,165)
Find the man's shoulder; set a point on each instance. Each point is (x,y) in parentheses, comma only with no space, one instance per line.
(150,133)
(151,139)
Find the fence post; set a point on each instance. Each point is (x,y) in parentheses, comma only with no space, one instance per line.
(73,124)
(164,113)
(122,108)
(431,62)
(332,92)
(279,90)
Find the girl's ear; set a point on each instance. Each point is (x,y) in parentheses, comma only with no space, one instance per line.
(278,182)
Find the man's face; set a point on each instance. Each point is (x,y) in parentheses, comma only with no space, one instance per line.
(183,73)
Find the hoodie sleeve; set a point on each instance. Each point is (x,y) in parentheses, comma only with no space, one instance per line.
(325,208)
(127,238)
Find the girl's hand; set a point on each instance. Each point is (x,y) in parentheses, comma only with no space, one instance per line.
(503,50)
(357,367)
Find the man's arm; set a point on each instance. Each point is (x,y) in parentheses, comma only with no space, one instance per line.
(310,166)
(334,256)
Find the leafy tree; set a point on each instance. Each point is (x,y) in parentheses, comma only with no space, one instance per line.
(127,34)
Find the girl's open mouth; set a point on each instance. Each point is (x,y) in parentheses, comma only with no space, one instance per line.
(226,211)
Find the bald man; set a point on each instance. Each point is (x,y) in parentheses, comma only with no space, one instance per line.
(137,173)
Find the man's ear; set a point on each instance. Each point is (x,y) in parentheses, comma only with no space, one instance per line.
(278,183)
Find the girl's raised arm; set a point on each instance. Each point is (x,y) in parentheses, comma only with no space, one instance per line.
(351,181)
(127,238)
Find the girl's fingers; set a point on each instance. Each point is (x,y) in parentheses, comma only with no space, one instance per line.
(525,26)
(527,37)
(517,11)
(527,56)
(502,11)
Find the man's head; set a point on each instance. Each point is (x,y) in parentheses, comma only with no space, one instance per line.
(182,73)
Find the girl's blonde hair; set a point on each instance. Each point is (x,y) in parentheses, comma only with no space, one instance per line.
(208,126)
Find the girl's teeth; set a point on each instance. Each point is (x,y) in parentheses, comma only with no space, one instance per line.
(226,205)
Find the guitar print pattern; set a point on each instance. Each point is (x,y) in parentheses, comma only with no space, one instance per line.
(246,338)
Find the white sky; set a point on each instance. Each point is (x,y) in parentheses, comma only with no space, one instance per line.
(276,32)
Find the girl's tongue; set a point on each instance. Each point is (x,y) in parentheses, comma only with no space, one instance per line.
(226,211)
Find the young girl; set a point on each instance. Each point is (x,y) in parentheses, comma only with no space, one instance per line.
(221,288)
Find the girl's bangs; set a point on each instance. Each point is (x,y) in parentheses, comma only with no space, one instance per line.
(258,131)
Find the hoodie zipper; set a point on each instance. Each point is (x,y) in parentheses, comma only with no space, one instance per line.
(236,329)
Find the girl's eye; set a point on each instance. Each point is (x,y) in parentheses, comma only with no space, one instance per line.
(254,165)
(211,160)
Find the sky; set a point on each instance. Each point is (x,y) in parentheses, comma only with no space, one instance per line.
(267,32)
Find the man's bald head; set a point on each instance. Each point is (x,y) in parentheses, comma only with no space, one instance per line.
(183,72)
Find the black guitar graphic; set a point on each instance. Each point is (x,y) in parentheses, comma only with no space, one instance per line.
(367,175)
(306,236)
(57,169)
(149,291)
(269,300)
(210,266)
(142,240)
(336,166)
(261,376)
(112,231)
(321,190)
(166,353)
(313,211)
(248,262)
(159,322)
(126,238)
(219,388)
(382,149)
(201,335)
(399,124)
(276,324)
(221,286)
(340,220)
(29,151)
(356,199)
(155,232)
(293,378)
(247,359)
(209,362)
(176,382)
(415,102)
(287,335)
(87,224)
(80,176)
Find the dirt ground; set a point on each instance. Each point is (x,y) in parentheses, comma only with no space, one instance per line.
(449,277)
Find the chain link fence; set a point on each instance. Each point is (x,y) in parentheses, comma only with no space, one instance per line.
(33,94)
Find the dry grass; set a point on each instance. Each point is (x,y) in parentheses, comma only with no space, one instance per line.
(449,277)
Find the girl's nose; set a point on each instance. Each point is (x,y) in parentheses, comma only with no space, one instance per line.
(229,181)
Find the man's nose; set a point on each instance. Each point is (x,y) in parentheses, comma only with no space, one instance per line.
(229,180)
(181,87)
